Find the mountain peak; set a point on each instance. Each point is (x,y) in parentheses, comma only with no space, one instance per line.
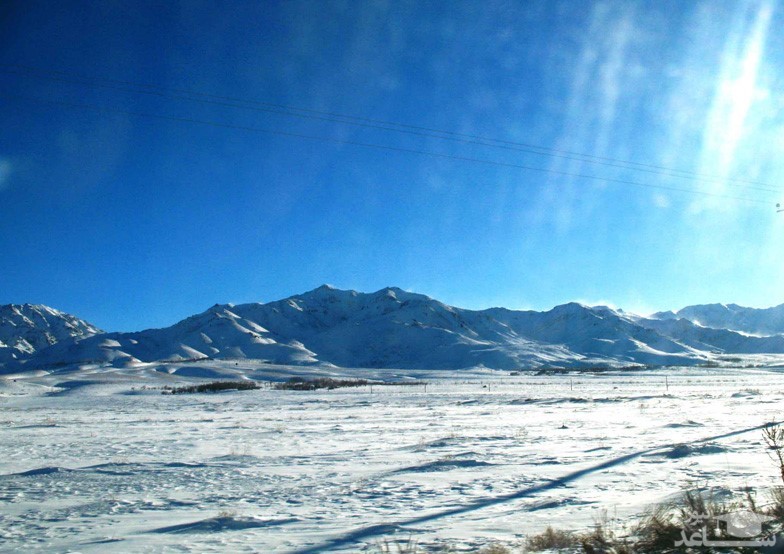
(322,290)
(400,295)
(28,328)
(571,307)
(326,286)
(390,291)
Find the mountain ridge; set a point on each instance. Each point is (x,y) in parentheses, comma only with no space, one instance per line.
(28,328)
(755,321)
(393,328)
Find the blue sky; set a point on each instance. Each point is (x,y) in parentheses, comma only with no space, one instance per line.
(133,221)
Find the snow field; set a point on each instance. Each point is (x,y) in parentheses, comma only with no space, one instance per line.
(90,465)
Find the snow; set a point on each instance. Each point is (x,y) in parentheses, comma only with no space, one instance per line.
(392,328)
(28,328)
(95,455)
(751,321)
(92,460)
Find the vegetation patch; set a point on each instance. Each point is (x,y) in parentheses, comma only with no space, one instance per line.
(215,386)
(552,539)
(299,383)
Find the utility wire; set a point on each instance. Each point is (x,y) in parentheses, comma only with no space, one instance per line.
(181,94)
(105,110)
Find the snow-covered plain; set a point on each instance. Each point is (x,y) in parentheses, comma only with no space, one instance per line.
(93,462)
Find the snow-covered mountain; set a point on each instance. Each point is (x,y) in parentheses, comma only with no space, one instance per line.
(754,321)
(215,333)
(708,339)
(28,328)
(392,328)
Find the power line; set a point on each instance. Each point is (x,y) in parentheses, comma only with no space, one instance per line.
(378,124)
(195,96)
(105,110)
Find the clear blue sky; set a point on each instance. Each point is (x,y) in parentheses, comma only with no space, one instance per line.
(134,221)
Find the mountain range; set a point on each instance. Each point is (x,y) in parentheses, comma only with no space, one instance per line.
(392,328)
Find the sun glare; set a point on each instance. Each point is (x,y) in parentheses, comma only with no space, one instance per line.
(735,93)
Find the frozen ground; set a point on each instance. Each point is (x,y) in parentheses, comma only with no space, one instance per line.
(90,465)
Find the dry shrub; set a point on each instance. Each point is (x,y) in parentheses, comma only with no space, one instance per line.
(551,539)
(495,549)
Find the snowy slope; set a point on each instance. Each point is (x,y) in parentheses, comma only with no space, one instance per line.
(215,333)
(598,332)
(715,340)
(392,328)
(27,328)
(755,321)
